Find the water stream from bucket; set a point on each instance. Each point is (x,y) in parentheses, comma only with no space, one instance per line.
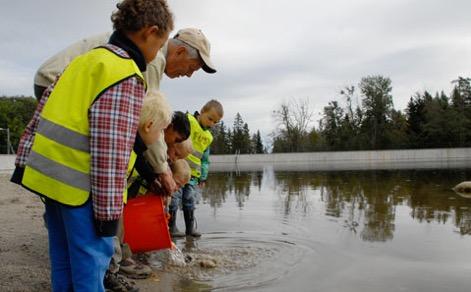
(168,257)
(176,257)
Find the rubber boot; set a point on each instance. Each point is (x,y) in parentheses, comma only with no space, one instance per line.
(189,216)
(172,225)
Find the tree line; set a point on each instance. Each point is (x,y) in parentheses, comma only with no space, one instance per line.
(364,119)
(429,121)
(15,113)
(236,139)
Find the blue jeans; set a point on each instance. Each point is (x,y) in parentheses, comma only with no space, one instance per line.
(79,258)
(186,196)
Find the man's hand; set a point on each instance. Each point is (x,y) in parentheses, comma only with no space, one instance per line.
(167,182)
(156,188)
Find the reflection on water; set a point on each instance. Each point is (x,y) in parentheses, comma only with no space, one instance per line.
(238,185)
(329,231)
(367,201)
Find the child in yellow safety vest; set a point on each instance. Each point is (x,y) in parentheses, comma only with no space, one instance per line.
(201,138)
(75,151)
(155,116)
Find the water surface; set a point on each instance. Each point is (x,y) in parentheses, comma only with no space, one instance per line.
(330,231)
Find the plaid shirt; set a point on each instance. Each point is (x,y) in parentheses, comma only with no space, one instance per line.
(113,120)
(26,141)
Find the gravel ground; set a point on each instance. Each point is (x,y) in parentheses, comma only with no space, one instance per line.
(24,246)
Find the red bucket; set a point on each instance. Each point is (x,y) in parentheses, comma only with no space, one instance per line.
(145,224)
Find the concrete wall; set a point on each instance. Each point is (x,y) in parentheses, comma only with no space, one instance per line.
(347,160)
(328,161)
(7,163)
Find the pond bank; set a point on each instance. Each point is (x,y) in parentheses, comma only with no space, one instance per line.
(444,158)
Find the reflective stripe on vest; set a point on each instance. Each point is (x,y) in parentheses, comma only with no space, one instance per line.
(59,164)
(201,139)
(197,154)
(193,165)
(63,135)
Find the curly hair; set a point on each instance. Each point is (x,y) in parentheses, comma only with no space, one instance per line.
(132,15)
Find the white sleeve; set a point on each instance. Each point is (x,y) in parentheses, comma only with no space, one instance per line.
(155,71)
(156,155)
(49,70)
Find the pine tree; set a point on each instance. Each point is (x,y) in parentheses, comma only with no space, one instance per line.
(257,143)
(218,146)
(416,119)
(240,139)
(246,142)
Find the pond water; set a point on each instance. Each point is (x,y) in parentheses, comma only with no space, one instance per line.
(329,231)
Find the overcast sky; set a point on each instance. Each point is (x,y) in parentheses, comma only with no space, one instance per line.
(266,51)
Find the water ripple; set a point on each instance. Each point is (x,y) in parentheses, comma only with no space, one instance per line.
(241,259)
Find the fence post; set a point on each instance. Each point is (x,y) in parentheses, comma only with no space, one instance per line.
(9,146)
(8,141)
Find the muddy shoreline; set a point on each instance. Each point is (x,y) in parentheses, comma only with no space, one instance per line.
(24,244)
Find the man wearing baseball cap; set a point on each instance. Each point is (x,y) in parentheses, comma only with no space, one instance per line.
(196,39)
(182,55)
(185,53)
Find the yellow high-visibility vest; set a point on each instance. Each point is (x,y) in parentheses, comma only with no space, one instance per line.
(201,140)
(129,173)
(58,166)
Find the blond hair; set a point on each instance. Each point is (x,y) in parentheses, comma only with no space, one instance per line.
(181,168)
(216,105)
(155,108)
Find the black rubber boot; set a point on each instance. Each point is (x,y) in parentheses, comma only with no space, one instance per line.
(172,225)
(189,216)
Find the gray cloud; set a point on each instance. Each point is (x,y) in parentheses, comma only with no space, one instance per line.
(267,51)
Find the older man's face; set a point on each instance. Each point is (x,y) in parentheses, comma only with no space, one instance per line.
(178,64)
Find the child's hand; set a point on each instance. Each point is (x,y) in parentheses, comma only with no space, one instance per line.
(202,184)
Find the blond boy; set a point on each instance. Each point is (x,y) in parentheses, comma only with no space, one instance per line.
(156,115)
(201,138)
